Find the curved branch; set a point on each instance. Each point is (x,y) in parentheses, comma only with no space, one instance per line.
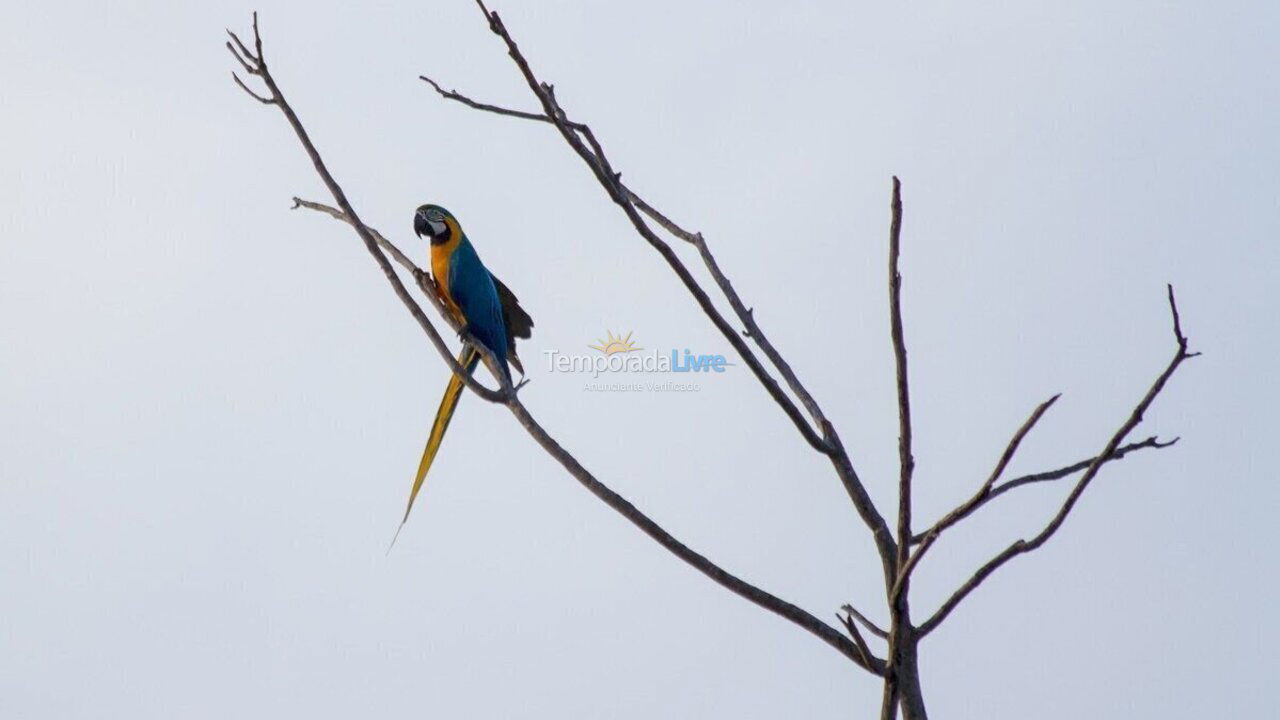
(979,497)
(863,651)
(1022,546)
(382,241)
(373,241)
(371,244)
(870,626)
(1046,476)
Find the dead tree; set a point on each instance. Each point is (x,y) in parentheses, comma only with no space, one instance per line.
(899,545)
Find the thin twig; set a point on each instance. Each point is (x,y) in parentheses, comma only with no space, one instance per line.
(1046,476)
(244,63)
(277,98)
(980,496)
(486,107)
(252,94)
(1022,546)
(858,640)
(870,626)
(243,55)
(383,242)
(420,276)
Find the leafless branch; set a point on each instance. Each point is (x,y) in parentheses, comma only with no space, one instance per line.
(486,107)
(596,160)
(277,99)
(243,54)
(870,626)
(863,650)
(906,462)
(383,242)
(252,94)
(979,497)
(1023,546)
(899,611)
(1049,475)
(374,241)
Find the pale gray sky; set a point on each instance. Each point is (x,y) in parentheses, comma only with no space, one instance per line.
(211,407)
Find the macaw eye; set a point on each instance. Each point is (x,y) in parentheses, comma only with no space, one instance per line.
(435,215)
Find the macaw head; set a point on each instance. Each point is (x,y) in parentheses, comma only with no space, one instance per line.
(436,223)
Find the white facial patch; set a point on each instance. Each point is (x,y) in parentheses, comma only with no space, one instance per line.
(437,227)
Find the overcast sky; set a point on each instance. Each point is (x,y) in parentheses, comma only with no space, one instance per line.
(211,406)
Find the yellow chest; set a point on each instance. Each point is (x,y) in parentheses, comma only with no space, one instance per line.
(440,255)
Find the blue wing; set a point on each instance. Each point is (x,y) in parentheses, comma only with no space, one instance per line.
(473,290)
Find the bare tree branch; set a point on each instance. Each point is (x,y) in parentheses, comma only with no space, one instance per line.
(247,59)
(870,626)
(423,280)
(374,241)
(252,94)
(1046,476)
(598,163)
(863,650)
(906,462)
(486,107)
(727,580)
(899,605)
(1022,546)
(383,243)
(277,99)
(979,497)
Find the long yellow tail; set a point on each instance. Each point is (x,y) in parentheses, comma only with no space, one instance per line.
(468,359)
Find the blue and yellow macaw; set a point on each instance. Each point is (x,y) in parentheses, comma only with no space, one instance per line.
(488,312)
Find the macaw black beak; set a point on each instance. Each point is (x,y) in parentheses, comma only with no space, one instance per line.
(421,226)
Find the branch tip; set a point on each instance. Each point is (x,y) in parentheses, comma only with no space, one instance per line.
(866,622)
(1112,450)
(252,94)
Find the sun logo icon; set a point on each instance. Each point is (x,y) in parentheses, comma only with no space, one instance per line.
(613,344)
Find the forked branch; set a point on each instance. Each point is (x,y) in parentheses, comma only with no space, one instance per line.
(375,243)
(1023,546)
(968,508)
(255,64)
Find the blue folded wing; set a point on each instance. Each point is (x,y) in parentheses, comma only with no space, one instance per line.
(473,291)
